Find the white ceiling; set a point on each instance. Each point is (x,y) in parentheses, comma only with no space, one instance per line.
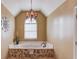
(46,6)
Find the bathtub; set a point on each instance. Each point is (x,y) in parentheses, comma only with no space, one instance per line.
(30,45)
(31,50)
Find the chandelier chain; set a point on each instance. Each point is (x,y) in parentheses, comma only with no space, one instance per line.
(31,4)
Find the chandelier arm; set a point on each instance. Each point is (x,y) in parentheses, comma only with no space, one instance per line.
(31,13)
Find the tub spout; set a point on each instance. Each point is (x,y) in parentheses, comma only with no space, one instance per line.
(43,44)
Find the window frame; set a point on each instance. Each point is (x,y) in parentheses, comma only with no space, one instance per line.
(36,30)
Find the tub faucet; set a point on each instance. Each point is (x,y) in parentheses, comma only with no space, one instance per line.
(43,44)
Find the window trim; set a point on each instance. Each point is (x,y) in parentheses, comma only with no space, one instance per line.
(31,39)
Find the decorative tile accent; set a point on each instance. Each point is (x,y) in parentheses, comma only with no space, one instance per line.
(30,53)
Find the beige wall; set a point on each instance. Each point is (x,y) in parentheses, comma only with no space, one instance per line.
(41,25)
(6,37)
(61,30)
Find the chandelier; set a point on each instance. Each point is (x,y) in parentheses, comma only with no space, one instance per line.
(31,13)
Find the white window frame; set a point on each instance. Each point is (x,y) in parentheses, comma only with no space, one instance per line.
(30,35)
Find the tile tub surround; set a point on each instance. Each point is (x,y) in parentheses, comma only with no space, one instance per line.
(31,50)
(31,54)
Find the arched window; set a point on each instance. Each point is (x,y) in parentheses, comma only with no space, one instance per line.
(30,29)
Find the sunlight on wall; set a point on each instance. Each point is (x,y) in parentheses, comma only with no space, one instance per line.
(63,27)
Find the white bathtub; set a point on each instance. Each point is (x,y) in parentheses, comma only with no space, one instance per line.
(31,45)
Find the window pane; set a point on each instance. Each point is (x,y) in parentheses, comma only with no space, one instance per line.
(30,29)
(30,35)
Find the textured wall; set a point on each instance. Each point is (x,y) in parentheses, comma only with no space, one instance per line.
(6,37)
(41,25)
(61,30)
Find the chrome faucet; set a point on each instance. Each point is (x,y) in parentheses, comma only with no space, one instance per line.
(43,44)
